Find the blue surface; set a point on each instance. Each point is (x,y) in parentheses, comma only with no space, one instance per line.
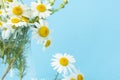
(90,31)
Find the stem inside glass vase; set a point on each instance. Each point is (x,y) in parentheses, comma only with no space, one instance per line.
(15,52)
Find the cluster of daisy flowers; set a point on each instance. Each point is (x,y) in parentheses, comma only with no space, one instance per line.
(64,65)
(15,15)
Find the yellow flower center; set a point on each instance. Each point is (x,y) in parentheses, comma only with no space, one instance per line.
(80,77)
(1,24)
(0,12)
(64,61)
(25,19)
(41,8)
(72,79)
(48,42)
(15,20)
(17,10)
(10,0)
(43,31)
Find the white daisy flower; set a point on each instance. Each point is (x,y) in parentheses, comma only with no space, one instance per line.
(17,9)
(15,21)
(1,24)
(6,31)
(63,63)
(74,76)
(40,9)
(6,34)
(4,25)
(47,43)
(2,12)
(70,77)
(41,32)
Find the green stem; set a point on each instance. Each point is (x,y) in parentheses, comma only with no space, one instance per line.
(3,5)
(8,69)
(22,1)
(20,77)
(20,71)
(56,77)
(10,66)
(62,5)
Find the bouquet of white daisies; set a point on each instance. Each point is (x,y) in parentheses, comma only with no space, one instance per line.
(17,22)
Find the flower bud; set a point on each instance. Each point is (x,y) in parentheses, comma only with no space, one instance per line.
(65,1)
(62,6)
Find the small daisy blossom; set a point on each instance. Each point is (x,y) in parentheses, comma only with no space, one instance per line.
(4,25)
(47,43)
(41,32)
(40,9)
(15,21)
(17,9)
(70,77)
(1,24)
(6,31)
(2,13)
(63,63)
(74,76)
(6,34)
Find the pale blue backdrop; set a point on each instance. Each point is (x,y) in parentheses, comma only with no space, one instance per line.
(90,31)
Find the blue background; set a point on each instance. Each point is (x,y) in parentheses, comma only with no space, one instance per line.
(90,31)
